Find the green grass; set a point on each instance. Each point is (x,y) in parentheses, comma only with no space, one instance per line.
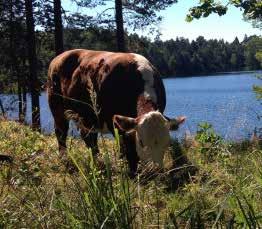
(213,184)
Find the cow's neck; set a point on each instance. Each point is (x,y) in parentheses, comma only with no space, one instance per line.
(145,105)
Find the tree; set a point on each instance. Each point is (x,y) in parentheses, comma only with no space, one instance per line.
(259,56)
(252,46)
(252,9)
(59,43)
(120,35)
(12,32)
(257,88)
(31,49)
(2,108)
(136,14)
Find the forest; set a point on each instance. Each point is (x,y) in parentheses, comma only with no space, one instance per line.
(179,57)
(175,57)
(34,32)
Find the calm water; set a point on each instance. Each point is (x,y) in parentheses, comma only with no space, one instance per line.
(225,101)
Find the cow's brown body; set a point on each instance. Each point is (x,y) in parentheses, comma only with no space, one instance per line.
(113,81)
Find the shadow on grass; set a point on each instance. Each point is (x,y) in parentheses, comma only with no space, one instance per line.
(182,170)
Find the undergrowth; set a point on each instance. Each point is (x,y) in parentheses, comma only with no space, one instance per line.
(213,184)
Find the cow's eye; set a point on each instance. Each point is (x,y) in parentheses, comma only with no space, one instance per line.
(141,143)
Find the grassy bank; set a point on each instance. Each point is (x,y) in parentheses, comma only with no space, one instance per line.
(206,183)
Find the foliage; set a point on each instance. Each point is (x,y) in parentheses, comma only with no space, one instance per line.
(137,14)
(205,8)
(172,57)
(208,140)
(259,56)
(251,48)
(12,32)
(258,90)
(181,57)
(252,9)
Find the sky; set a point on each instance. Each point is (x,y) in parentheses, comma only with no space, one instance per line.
(174,25)
(226,27)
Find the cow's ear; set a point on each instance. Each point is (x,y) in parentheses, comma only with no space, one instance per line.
(173,124)
(124,123)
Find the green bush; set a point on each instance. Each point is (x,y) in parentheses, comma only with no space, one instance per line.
(208,140)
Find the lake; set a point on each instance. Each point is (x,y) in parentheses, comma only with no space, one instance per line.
(226,101)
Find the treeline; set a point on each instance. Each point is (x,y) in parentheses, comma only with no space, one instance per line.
(182,57)
(178,57)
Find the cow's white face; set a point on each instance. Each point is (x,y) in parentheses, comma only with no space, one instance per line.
(151,134)
(152,137)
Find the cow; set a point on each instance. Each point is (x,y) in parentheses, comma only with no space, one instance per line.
(108,91)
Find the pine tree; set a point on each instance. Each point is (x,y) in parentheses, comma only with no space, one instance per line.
(59,43)
(32,58)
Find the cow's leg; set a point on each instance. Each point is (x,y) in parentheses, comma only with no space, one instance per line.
(90,140)
(61,123)
(132,163)
(129,148)
(61,129)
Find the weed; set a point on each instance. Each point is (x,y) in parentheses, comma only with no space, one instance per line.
(37,192)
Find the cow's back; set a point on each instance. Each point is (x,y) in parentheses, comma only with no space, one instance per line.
(64,66)
(125,81)
(114,80)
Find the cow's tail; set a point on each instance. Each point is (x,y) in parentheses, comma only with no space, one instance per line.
(54,91)
(56,85)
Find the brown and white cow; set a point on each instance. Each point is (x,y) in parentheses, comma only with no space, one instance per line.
(128,94)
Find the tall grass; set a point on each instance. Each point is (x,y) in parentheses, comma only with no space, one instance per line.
(100,200)
(213,184)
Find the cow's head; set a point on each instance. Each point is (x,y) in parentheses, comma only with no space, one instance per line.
(151,133)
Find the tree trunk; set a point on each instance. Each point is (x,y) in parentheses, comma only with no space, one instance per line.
(20,103)
(14,68)
(59,44)
(2,108)
(120,36)
(33,81)
(24,101)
